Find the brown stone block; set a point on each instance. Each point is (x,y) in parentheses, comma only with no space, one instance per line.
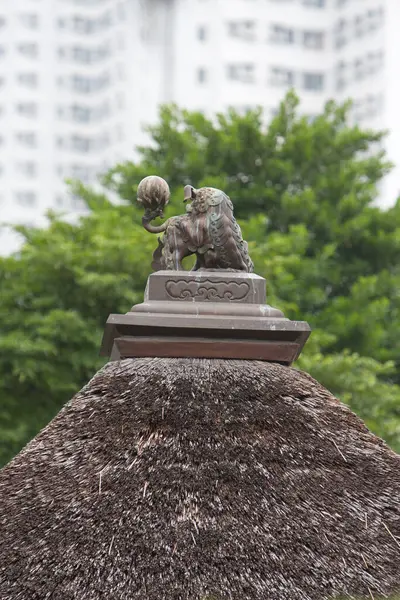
(209,314)
(131,347)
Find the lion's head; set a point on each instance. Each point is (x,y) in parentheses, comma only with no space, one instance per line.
(204,199)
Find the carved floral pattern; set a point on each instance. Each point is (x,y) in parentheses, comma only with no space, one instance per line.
(215,291)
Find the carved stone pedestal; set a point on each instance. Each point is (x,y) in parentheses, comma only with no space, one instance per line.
(204,314)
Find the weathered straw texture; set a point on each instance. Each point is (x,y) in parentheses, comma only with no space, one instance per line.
(185,479)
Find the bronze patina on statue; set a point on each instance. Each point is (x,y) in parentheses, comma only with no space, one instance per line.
(216,310)
(208,229)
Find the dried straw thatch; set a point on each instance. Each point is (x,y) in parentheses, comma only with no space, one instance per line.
(185,479)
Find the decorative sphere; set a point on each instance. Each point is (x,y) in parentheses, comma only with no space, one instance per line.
(153,193)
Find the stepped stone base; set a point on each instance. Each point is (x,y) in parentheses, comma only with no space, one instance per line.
(205,314)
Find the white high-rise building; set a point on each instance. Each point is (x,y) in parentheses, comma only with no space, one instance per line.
(80,78)
(64,85)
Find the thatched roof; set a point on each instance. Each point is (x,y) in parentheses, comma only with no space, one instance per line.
(184,479)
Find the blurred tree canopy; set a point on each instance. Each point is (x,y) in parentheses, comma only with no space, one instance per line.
(304,193)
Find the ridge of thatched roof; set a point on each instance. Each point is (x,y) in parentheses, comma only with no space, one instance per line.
(181,479)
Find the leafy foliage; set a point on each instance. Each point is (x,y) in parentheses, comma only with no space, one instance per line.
(304,192)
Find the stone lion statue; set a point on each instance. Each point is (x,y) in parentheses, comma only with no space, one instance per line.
(208,229)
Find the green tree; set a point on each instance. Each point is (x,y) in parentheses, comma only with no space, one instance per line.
(304,192)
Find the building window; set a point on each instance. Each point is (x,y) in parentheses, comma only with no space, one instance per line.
(315,3)
(313,81)
(27,109)
(375,18)
(103,110)
(82,55)
(102,52)
(241,72)
(80,83)
(372,106)
(368,22)
(81,173)
(201,75)
(281,35)
(81,25)
(90,2)
(374,62)
(341,75)
(26,198)
(90,55)
(84,25)
(70,202)
(28,79)
(85,55)
(202,33)
(30,20)
(29,50)
(27,139)
(341,32)
(84,144)
(85,114)
(86,85)
(281,77)
(81,114)
(244,30)
(359,69)
(357,110)
(77,203)
(28,169)
(359,26)
(366,108)
(314,39)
